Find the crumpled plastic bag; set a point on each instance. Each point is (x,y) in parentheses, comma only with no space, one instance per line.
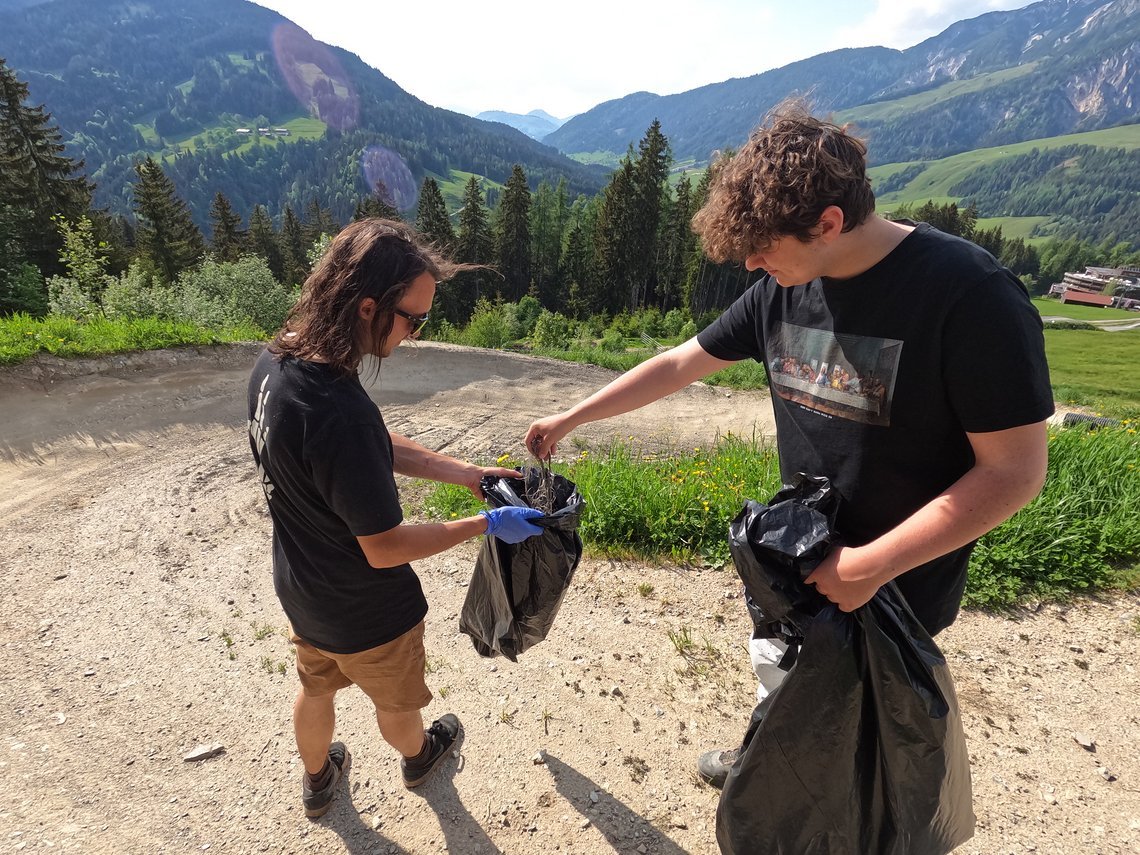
(860,750)
(517,589)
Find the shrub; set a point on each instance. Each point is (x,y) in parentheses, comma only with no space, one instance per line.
(552,331)
(488,327)
(234,292)
(613,341)
(134,295)
(527,313)
(674,321)
(68,300)
(22,290)
(688,330)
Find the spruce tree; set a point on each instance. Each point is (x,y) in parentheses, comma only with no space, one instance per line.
(263,241)
(295,261)
(167,237)
(677,241)
(432,220)
(473,245)
(228,238)
(318,221)
(615,241)
(378,203)
(35,177)
(651,172)
(512,236)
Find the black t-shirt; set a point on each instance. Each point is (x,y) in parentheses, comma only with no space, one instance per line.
(325,461)
(877,379)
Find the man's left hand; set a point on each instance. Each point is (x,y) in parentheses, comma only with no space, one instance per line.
(846,580)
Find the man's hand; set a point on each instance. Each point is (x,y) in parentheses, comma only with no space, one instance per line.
(845,579)
(474,474)
(542,438)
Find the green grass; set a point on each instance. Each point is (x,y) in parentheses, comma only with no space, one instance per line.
(1016,227)
(935,181)
(22,336)
(746,374)
(1055,308)
(1096,369)
(908,104)
(453,185)
(1082,534)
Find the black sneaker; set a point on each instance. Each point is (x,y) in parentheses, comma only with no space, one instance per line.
(317,803)
(713,765)
(441,736)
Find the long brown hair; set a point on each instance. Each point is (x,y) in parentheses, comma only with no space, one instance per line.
(369,258)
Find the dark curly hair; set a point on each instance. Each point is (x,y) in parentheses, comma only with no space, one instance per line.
(780,182)
(369,258)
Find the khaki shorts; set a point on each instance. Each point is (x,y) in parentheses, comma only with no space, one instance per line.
(392,675)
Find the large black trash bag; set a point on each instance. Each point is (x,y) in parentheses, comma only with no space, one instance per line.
(860,750)
(516,589)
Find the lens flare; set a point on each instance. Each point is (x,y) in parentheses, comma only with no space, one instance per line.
(315,77)
(388,177)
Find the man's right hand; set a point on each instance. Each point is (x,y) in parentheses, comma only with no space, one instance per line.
(542,438)
(511,524)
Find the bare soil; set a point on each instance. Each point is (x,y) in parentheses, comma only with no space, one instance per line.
(139,623)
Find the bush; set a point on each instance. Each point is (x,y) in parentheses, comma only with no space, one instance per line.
(674,321)
(22,290)
(134,295)
(527,314)
(552,331)
(488,326)
(234,292)
(613,341)
(688,330)
(68,300)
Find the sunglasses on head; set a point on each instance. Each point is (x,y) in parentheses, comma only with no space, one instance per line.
(417,321)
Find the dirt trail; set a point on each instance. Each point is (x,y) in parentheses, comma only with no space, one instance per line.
(140,622)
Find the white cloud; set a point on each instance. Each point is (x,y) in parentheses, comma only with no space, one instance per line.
(904,23)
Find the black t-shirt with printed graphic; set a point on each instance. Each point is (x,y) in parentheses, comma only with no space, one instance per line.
(325,461)
(877,379)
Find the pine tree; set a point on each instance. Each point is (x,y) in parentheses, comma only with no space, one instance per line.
(263,241)
(677,240)
(614,241)
(432,220)
(318,221)
(578,270)
(473,245)
(295,261)
(167,237)
(35,177)
(377,204)
(650,173)
(512,236)
(227,238)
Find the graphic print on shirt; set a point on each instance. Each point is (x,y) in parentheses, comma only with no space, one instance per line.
(258,431)
(849,376)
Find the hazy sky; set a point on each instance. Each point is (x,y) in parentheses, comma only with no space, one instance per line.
(568,57)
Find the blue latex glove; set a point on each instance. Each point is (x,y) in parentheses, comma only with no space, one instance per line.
(510,525)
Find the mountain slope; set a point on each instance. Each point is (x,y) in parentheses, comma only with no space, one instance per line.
(126,79)
(536,124)
(1054,67)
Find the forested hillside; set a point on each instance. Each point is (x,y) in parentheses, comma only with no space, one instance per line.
(1051,68)
(161,77)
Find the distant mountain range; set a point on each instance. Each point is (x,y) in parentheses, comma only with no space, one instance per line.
(233,97)
(1054,67)
(537,124)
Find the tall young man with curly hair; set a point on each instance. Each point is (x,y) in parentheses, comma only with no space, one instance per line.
(937,434)
(341,548)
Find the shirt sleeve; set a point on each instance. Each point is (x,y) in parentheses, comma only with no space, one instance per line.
(352,471)
(996,373)
(737,334)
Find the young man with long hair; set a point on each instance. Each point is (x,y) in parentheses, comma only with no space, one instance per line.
(341,549)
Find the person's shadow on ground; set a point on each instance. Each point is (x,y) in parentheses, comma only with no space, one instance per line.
(461,832)
(623,828)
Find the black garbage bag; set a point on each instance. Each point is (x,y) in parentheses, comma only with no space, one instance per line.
(516,589)
(860,750)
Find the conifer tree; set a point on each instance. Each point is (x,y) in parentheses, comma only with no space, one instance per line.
(227,238)
(473,245)
(294,260)
(263,241)
(578,270)
(512,236)
(36,179)
(677,241)
(432,220)
(318,221)
(378,203)
(167,237)
(615,240)
(650,192)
